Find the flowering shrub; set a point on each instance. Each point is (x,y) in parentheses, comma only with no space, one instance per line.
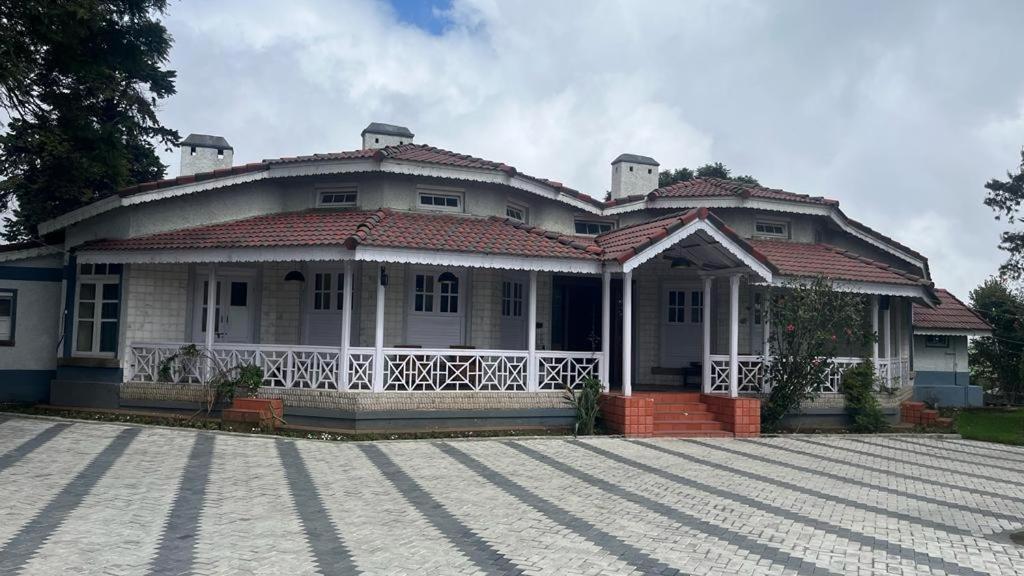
(819,322)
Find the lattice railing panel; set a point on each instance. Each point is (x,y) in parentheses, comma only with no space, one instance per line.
(557,371)
(454,370)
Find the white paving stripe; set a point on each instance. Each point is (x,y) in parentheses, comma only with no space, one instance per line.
(519,532)
(383,532)
(35,479)
(249,524)
(914,536)
(118,525)
(689,550)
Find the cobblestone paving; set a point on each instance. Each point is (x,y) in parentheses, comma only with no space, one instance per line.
(88,498)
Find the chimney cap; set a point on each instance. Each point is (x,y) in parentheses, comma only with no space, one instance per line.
(206,141)
(636,159)
(387,129)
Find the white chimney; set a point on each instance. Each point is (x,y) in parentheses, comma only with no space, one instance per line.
(380,135)
(633,175)
(204,153)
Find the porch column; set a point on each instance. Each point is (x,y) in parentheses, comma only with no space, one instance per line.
(532,370)
(734,334)
(378,335)
(211,317)
(606,327)
(887,319)
(874,330)
(627,334)
(706,361)
(346,326)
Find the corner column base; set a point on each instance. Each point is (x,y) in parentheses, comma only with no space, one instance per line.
(631,416)
(741,416)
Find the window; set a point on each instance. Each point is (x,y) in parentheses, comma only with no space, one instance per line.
(440,199)
(512,299)
(192,151)
(592,228)
(220,153)
(758,309)
(328,291)
(449,285)
(696,307)
(516,212)
(337,197)
(936,341)
(98,308)
(8,306)
(676,306)
(424,293)
(773,229)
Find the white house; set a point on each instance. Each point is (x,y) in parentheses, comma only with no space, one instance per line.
(940,352)
(399,284)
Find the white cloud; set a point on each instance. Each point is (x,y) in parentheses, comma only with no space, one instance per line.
(900,110)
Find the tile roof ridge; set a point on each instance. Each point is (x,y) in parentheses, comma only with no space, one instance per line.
(877,264)
(366,227)
(564,239)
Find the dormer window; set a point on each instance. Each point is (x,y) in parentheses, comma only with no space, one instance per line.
(445,199)
(592,227)
(516,212)
(337,197)
(220,153)
(771,229)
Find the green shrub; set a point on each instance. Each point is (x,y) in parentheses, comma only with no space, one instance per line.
(861,401)
(586,403)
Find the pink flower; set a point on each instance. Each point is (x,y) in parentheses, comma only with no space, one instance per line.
(833,337)
(790,328)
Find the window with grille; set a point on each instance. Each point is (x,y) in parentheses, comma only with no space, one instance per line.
(448,284)
(676,306)
(423,293)
(772,229)
(516,212)
(337,197)
(440,199)
(512,299)
(328,291)
(97,309)
(592,227)
(696,307)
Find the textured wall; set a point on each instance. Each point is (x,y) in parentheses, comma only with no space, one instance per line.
(282,304)
(156,300)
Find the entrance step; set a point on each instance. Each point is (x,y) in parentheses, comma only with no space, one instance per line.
(702,434)
(680,425)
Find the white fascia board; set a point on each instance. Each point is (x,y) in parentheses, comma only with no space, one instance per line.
(918,331)
(77,215)
(844,223)
(462,259)
(270,254)
(728,243)
(909,291)
(27,253)
(321,167)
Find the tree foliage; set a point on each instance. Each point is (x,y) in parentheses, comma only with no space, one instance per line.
(80,80)
(1005,197)
(810,324)
(713,170)
(997,361)
(859,390)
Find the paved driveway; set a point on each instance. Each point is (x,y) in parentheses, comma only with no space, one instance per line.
(86,498)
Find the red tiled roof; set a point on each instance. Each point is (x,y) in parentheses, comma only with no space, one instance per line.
(950,314)
(716,187)
(383,228)
(804,260)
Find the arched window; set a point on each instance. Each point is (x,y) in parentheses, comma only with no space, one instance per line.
(448,284)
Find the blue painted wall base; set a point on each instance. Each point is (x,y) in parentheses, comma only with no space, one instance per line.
(28,386)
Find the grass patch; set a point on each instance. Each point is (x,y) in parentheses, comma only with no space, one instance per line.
(200,422)
(1002,425)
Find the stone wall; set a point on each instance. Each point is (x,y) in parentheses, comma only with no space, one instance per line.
(156,302)
(281,302)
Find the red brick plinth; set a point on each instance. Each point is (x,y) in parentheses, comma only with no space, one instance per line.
(631,416)
(918,414)
(741,416)
(262,412)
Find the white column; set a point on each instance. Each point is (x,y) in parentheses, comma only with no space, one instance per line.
(532,370)
(874,330)
(346,326)
(887,343)
(734,334)
(706,361)
(627,334)
(378,336)
(606,326)
(211,316)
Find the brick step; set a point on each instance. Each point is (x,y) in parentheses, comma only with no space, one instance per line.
(246,416)
(680,406)
(688,409)
(688,434)
(660,397)
(688,425)
(683,416)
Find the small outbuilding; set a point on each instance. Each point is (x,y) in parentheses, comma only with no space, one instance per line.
(940,352)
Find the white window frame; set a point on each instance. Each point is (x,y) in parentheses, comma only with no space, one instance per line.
(524,212)
(440,192)
(599,223)
(511,299)
(12,318)
(678,307)
(97,319)
(335,293)
(435,295)
(942,343)
(341,190)
(696,306)
(766,234)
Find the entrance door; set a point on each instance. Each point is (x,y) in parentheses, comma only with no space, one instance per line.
(513,313)
(576,314)
(232,305)
(682,324)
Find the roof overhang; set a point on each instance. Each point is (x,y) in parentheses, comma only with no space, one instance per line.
(33,252)
(919,293)
(950,332)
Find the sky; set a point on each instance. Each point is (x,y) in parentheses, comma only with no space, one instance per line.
(900,110)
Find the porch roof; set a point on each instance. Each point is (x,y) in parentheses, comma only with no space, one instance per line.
(950,316)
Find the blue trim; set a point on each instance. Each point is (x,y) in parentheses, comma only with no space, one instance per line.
(70,280)
(89,374)
(25,385)
(30,274)
(941,378)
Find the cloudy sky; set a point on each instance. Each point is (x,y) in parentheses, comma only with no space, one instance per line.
(900,110)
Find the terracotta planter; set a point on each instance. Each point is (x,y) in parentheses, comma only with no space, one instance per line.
(265,412)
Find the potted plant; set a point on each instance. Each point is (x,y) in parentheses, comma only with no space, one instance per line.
(248,380)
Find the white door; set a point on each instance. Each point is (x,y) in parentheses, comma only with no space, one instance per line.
(436,308)
(325,298)
(513,313)
(682,323)
(757,320)
(233,305)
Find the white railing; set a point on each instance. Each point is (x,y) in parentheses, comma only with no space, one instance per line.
(404,369)
(893,373)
